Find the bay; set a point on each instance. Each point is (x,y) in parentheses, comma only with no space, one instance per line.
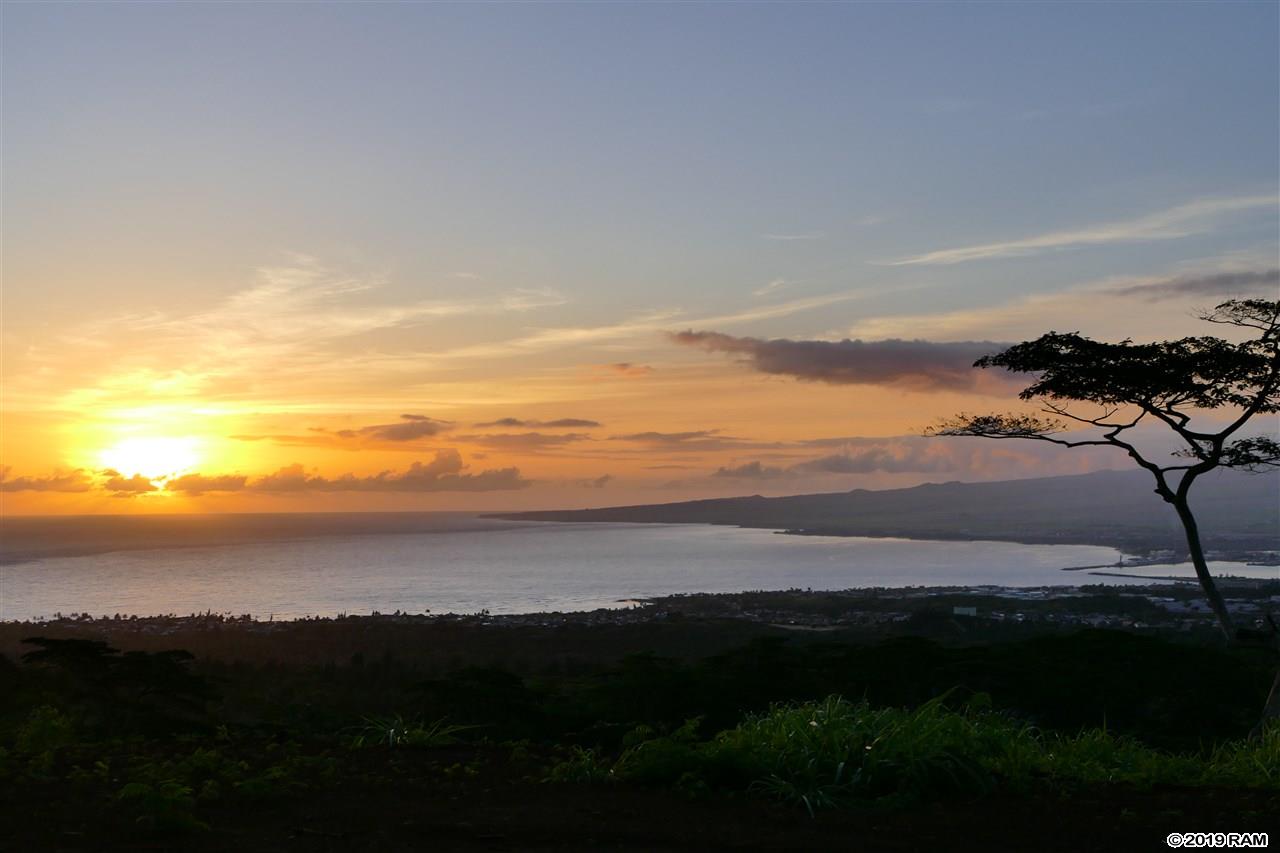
(467,565)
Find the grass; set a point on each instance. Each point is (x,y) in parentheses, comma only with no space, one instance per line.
(835,752)
(398,731)
(141,743)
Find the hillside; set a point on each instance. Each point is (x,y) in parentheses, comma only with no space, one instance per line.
(1236,511)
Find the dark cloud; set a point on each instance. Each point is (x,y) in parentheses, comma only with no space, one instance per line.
(531,441)
(920,365)
(1220,285)
(69,481)
(559,423)
(626,368)
(127,486)
(442,474)
(198,484)
(671,437)
(692,440)
(595,482)
(751,471)
(409,428)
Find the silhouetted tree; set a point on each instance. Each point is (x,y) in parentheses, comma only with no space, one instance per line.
(132,688)
(1162,383)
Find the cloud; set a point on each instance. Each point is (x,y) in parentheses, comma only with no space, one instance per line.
(892,460)
(917,365)
(668,437)
(127,486)
(594,482)
(1181,221)
(530,441)
(889,459)
(442,474)
(693,440)
(751,471)
(302,318)
(445,473)
(1217,285)
(559,423)
(643,325)
(776,284)
(77,480)
(626,368)
(1165,308)
(789,237)
(410,428)
(198,484)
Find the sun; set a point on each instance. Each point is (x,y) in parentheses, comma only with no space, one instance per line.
(154,457)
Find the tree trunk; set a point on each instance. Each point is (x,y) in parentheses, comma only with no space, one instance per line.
(1271,710)
(1202,569)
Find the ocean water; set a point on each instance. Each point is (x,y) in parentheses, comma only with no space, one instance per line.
(465,565)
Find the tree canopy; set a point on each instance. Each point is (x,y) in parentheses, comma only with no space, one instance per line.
(1164,382)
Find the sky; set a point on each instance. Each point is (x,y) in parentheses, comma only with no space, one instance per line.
(288,257)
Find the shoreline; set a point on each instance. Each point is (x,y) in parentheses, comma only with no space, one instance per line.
(642,609)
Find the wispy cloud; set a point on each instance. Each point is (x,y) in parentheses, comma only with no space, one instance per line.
(765,290)
(626,368)
(1167,307)
(409,430)
(1224,284)
(904,456)
(645,324)
(558,423)
(529,442)
(301,318)
(699,440)
(1181,221)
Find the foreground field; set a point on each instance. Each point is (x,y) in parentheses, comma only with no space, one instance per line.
(381,735)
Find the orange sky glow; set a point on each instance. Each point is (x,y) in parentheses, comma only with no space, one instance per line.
(460,271)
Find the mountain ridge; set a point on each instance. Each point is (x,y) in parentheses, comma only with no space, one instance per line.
(1236,511)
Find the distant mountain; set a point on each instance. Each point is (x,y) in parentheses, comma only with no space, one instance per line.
(1235,511)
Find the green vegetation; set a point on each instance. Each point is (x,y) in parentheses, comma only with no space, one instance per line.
(125,747)
(834,752)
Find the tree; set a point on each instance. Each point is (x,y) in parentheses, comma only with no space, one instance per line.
(1163,383)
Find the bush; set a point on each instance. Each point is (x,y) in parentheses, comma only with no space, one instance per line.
(836,752)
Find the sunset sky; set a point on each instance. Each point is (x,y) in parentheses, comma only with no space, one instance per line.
(285,257)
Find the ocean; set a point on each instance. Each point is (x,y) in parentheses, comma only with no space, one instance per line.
(457,563)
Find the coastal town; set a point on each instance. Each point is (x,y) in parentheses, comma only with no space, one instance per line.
(965,612)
